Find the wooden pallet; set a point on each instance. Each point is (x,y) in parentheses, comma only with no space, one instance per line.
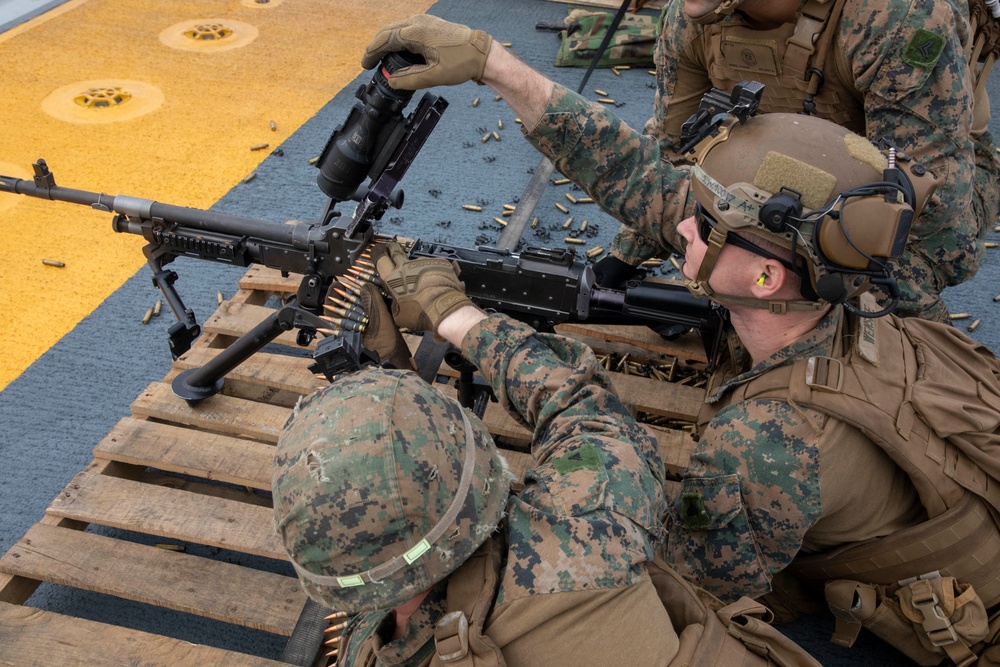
(200,476)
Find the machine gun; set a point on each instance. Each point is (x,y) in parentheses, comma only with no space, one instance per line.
(378,144)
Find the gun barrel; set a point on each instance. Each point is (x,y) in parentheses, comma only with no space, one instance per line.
(136,208)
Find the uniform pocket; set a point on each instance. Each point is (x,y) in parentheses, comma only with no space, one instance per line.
(708,503)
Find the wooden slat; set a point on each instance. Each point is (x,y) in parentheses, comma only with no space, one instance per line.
(235,319)
(263,279)
(214,589)
(34,638)
(220,413)
(166,512)
(190,452)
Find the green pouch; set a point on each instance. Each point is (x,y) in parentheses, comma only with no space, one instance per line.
(632,43)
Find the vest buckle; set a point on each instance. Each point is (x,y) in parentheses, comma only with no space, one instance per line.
(825,374)
(451,637)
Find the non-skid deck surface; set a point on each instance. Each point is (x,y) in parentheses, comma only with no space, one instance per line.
(182,483)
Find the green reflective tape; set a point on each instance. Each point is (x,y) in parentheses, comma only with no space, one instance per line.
(348,582)
(416,552)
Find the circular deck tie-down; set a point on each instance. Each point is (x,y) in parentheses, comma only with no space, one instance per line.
(102,101)
(208,35)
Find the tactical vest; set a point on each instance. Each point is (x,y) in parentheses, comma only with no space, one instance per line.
(930,398)
(734,635)
(796,62)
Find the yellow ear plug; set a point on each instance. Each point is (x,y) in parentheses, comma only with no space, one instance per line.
(760,281)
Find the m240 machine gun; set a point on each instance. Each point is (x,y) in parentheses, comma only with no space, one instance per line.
(376,144)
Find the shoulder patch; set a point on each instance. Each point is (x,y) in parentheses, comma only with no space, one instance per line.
(924,49)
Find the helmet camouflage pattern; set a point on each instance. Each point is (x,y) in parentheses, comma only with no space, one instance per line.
(382,487)
(815,189)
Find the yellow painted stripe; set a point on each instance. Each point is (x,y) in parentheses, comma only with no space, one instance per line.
(183,137)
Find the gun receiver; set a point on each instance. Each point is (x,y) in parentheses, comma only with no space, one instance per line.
(541,286)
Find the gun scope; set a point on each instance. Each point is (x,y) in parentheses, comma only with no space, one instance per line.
(357,148)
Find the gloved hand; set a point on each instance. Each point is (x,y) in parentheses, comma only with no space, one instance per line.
(424,291)
(612,272)
(381,333)
(454,53)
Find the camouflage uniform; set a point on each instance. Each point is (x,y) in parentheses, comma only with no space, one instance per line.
(586,521)
(889,90)
(760,477)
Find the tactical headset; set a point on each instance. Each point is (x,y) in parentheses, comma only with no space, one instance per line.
(840,207)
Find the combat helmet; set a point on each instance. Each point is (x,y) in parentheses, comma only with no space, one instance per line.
(838,205)
(382,487)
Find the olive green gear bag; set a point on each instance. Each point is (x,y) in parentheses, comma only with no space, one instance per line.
(632,43)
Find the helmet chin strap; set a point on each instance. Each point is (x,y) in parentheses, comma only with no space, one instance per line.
(700,287)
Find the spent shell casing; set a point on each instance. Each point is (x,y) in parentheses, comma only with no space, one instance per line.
(569,221)
(594,252)
(472,207)
(534,223)
(487,137)
(259,147)
(959,316)
(602,93)
(274,128)
(583,226)
(560,181)
(497,98)
(313,160)
(475,102)
(673,260)
(53,262)
(605,100)
(974,325)
(585,200)
(570,197)
(507,214)
(615,70)
(990,244)
(509,207)
(518,121)
(500,123)
(496,135)
(562,208)
(148,316)
(157,307)
(218,297)
(996,298)
(500,221)
(652,263)
(574,241)
(249,177)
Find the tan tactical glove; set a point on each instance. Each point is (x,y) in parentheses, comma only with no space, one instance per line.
(381,333)
(454,53)
(424,291)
